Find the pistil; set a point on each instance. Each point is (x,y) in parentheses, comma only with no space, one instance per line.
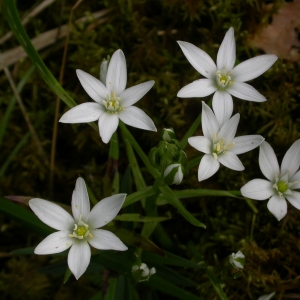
(112,103)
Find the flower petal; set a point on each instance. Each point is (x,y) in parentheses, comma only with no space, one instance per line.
(246,143)
(201,143)
(231,161)
(135,93)
(208,167)
(108,124)
(106,210)
(80,201)
(54,243)
(135,117)
(296,180)
(83,113)
(223,106)
(226,53)
(52,214)
(199,59)
(245,91)
(253,67)
(94,87)
(294,199)
(106,240)
(268,162)
(116,78)
(198,88)
(229,128)
(258,189)
(79,258)
(277,206)
(291,160)
(210,125)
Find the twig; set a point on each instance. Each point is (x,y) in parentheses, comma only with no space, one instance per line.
(47,38)
(26,19)
(24,112)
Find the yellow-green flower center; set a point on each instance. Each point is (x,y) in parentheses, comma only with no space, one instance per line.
(112,103)
(282,186)
(81,231)
(219,147)
(223,79)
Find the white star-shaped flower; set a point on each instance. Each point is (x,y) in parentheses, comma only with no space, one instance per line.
(113,101)
(224,79)
(220,145)
(80,230)
(281,182)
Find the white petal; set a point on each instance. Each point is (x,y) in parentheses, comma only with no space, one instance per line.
(258,189)
(208,167)
(80,201)
(79,258)
(116,78)
(106,240)
(210,125)
(229,128)
(135,93)
(198,88)
(108,124)
(54,243)
(201,143)
(231,161)
(83,113)
(245,91)
(253,67)
(294,199)
(291,160)
(246,143)
(296,180)
(268,162)
(106,210)
(94,87)
(135,117)
(199,59)
(223,106)
(277,206)
(226,53)
(52,214)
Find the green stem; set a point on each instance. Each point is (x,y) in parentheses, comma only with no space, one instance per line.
(206,192)
(135,197)
(191,131)
(138,149)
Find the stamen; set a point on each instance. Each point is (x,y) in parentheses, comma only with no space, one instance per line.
(112,103)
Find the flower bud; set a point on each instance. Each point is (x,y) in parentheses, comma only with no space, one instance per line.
(103,70)
(168,134)
(237,260)
(173,174)
(141,272)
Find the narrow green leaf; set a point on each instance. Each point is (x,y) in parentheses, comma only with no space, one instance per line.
(135,197)
(139,218)
(111,291)
(206,192)
(12,16)
(68,273)
(173,199)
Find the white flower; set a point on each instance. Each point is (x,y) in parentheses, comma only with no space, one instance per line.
(266,297)
(237,260)
(173,174)
(282,181)
(113,101)
(220,145)
(80,231)
(142,272)
(224,79)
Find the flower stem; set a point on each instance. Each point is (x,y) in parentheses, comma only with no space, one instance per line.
(191,131)
(138,149)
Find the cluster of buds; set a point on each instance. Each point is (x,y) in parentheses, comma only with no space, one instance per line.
(169,158)
(141,272)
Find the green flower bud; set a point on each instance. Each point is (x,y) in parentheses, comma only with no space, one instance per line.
(173,174)
(237,260)
(154,157)
(168,134)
